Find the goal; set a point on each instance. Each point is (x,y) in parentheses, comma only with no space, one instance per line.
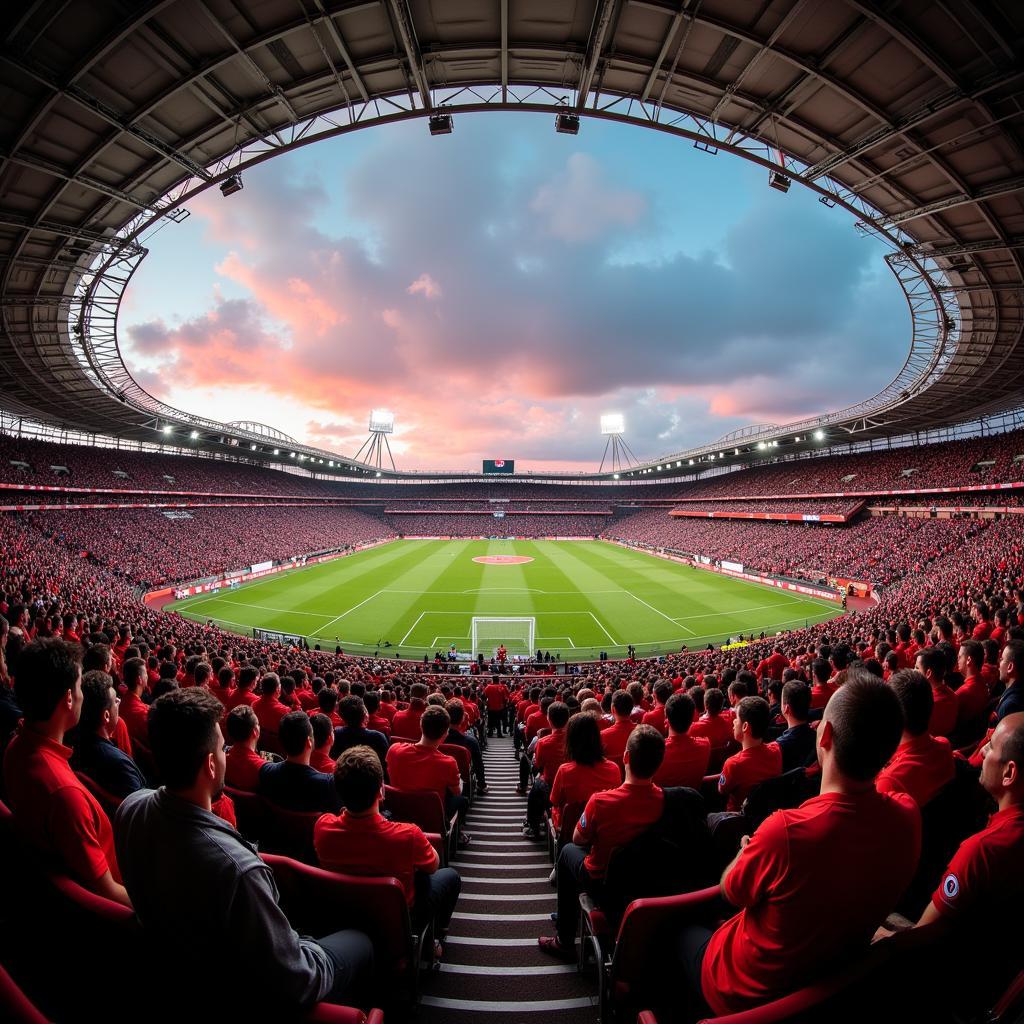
(517,634)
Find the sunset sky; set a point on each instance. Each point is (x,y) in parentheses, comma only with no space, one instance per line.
(501,287)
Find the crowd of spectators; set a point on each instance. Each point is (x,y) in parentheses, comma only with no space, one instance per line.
(801,506)
(452,524)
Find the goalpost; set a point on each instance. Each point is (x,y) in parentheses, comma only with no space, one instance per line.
(517,634)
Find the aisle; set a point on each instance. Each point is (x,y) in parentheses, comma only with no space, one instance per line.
(493,971)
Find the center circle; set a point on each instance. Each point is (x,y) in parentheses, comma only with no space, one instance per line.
(502,559)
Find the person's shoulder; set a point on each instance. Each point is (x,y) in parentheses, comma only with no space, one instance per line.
(134,804)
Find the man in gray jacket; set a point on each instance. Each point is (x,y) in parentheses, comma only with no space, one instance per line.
(202,893)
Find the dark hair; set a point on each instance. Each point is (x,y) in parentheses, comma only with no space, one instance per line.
(202,672)
(975,652)
(352,711)
(933,660)
(241,723)
(293,731)
(915,696)
(646,748)
(435,722)
(797,696)
(754,711)
(456,710)
(738,689)
(867,724)
(96,698)
(95,657)
(680,711)
(47,669)
(269,683)
(358,777)
(821,670)
(714,700)
(322,729)
(583,739)
(622,703)
(133,672)
(247,677)
(371,700)
(327,699)
(662,691)
(182,732)
(558,714)
(1016,649)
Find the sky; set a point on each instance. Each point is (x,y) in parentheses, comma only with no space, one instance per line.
(502,287)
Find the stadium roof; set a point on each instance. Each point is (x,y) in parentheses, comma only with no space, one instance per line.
(908,117)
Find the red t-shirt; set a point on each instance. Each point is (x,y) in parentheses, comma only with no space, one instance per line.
(388,710)
(135,715)
(54,812)
(577,783)
(813,883)
(380,723)
(920,767)
(412,767)
(656,718)
(549,754)
(717,728)
(239,696)
(242,769)
(322,761)
(686,761)
(972,698)
(743,771)
(497,696)
(615,816)
(373,846)
(945,710)
(407,723)
(269,711)
(615,738)
(537,721)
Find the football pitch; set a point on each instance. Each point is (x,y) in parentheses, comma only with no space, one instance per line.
(415,597)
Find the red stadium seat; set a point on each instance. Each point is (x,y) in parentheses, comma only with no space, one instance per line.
(251,811)
(423,808)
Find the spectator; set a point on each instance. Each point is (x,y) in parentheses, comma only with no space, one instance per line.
(361,841)
(1011,675)
(96,755)
(715,724)
(323,739)
(756,760)
(292,783)
(243,763)
(656,717)
(814,883)
(53,811)
(548,756)
(797,741)
(972,696)
(496,694)
(616,736)
(456,737)
(922,764)
(268,707)
(406,724)
(686,756)
(353,732)
(198,886)
(611,819)
(133,710)
(585,771)
(931,663)
(243,692)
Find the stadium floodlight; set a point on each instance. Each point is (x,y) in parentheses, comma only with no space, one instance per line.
(252,447)
(760,446)
(166,428)
(382,421)
(691,462)
(194,434)
(277,451)
(735,451)
(819,435)
(613,423)
(291,455)
(615,476)
(378,472)
(331,462)
(659,469)
(230,185)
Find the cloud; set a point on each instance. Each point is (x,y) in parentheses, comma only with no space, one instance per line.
(538,327)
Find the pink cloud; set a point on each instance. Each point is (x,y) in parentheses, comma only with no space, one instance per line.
(426,286)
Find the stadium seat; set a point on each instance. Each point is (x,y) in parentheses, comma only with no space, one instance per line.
(318,902)
(461,755)
(423,808)
(571,814)
(330,1013)
(15,1006)
(289,833)
(251,811)
(1010,1007)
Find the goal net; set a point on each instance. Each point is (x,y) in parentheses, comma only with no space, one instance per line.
(517,634)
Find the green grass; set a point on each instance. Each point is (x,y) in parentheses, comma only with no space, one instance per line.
(586,596)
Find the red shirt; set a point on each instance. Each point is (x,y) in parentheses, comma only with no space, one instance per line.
(134,713)
(920,767)
(239,696)
(388,710)
(743,771)
(945,710)
(796,921)
(224,807)
(242,767)
(973,699)
(820,695)
(371,845)
(717,728)
(407,723)
(686,761)
(577,783)
(549,754)
(54,811)
(412,767)
(380,723)
(984,878)
(615,738)
(537,721)
(496,695)
(322,761)
(269,711)
(615,816)
(657,719)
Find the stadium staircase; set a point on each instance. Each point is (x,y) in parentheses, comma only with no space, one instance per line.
(493,972)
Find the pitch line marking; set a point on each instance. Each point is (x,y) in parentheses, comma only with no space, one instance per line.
(338,618)
(603,630)
(411,628)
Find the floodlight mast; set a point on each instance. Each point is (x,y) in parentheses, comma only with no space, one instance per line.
(619,455)
(382,423)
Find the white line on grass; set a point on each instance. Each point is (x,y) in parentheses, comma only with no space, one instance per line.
(323,629)
(411,628)
(603,630)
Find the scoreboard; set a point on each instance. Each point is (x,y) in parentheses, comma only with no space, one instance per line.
(501,466)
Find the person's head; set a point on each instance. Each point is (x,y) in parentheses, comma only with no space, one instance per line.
(861,729)
(203,673)
(662,691)
(753,716)
(247,677)
(970,658)
(323,731)
(645,750)
(583,739)
(418,692)
(679,713)
(714,701)
(591,706)
(295,734)
(1011,663)
(558,714)
(97,656)
(1002,764)
(434,725)
(187,745)
(914,693)
(821,670)
(242,725)
(47,686)
(99,704)
(456,712)
(622,704)
(359,779)
(327,698)
(270,684)
(737,691)
(352,711)
(796,701)
(133,674)
(931,663)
